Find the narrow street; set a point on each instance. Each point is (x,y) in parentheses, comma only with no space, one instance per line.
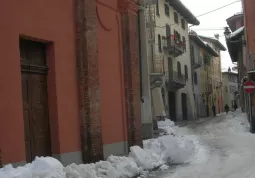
(229,150)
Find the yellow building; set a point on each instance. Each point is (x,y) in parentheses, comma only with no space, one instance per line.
(208,79)
(211,75)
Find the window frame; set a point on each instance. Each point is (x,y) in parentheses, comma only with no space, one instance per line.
(167,8)
(183,23)
(186,72)
(157,9)
(176,18)
(159,43)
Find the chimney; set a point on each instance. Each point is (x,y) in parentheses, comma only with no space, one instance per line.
(217,36)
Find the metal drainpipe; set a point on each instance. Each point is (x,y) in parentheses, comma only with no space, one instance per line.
(1,164)
(140,55)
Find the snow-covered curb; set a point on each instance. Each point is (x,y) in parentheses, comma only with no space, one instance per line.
(174,148)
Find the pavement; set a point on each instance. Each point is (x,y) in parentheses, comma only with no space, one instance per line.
(230,150)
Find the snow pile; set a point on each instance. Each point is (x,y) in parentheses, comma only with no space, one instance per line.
(157,153)
(238,122)
(114,167)
(145,158)
(42,167)
(172,150)
(168,126)
(235,122)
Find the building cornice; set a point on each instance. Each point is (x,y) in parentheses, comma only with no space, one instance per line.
(128,5)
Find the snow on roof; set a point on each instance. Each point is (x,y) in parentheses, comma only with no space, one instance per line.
(237,32)
(214,40)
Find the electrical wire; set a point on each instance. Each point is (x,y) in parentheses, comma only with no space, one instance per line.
(206,13)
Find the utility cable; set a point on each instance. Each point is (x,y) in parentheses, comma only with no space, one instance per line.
(206,13)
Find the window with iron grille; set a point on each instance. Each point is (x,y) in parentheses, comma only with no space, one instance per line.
(176,17)
(167,11)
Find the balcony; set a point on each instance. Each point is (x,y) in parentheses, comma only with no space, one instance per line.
(173,47)
(176,81)
(196,62)
(150,17)
(157,70)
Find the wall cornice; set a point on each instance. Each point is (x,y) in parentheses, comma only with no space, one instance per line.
(128,5)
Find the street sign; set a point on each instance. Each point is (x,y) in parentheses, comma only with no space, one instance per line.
(249,87)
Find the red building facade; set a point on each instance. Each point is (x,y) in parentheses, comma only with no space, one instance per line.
(70,79)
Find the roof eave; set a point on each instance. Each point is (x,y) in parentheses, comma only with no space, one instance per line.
(198,41)
(184,11)
(221,46)
(212,51)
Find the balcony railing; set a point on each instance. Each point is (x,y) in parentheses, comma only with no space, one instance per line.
(157,66)
(176,80)
(173,47)
(196,62)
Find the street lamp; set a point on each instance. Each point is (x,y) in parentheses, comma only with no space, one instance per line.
(227,32)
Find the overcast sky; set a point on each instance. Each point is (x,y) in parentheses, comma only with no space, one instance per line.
(214,20)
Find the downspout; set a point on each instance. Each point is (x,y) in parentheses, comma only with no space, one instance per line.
(1,164)
(140,55)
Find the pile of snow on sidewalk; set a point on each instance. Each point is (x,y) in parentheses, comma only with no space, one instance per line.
(169,149)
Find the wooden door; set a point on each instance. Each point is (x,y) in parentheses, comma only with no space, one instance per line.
(184,107)
(172,109)
(35,102)
(36,120)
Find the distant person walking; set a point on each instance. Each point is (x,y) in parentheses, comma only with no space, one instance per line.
(226,108)
(214,110)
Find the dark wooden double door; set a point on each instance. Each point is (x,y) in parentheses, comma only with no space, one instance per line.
(35,100)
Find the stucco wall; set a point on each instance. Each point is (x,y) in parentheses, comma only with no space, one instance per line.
(184,59)
(47,21)
(111,73)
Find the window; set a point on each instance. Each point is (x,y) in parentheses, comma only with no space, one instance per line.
(184,43)
(183,24)
(157,8)
(192,55)
(167,10)
(168,31)
(195,77)
(159,44)
(179,69)
(177,36)
(186,72)
(176,17)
